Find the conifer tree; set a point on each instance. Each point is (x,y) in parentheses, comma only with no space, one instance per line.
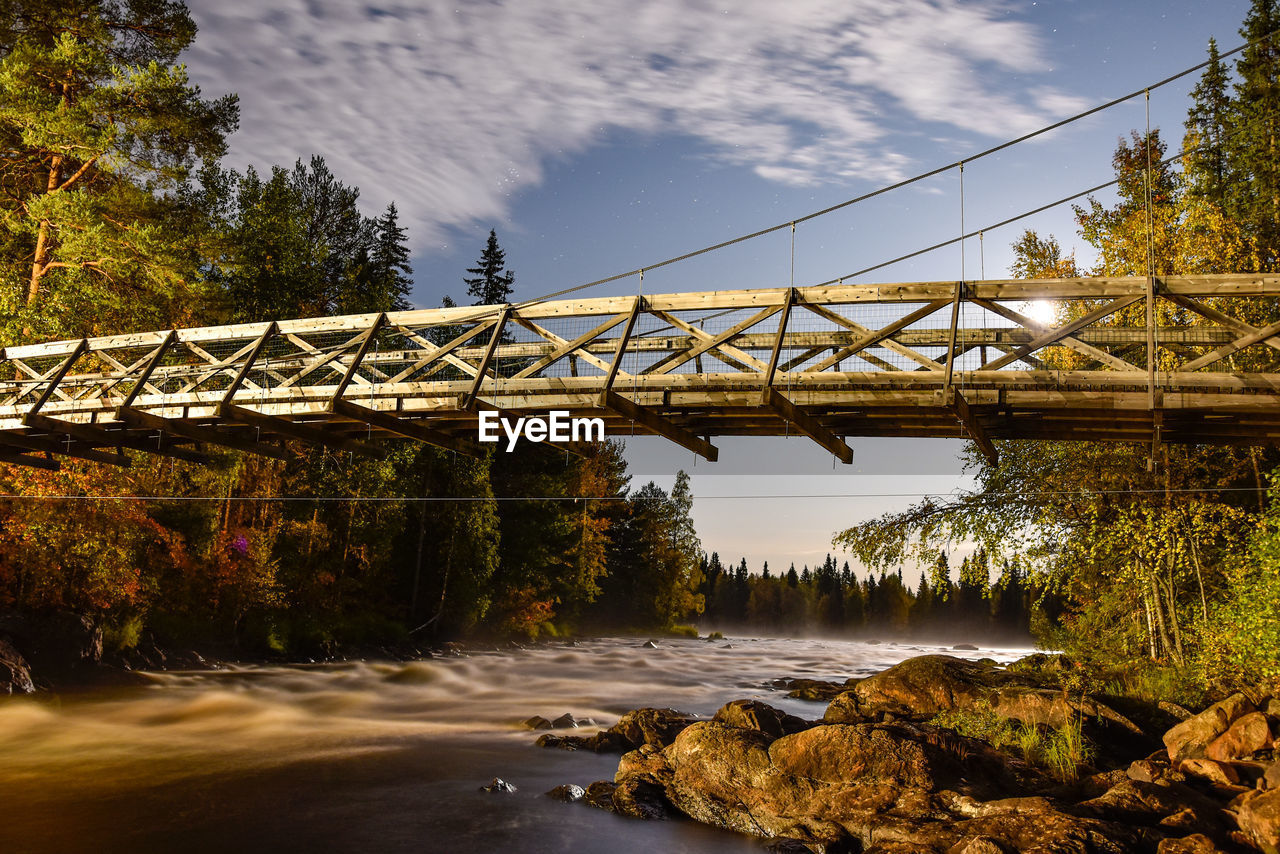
(1206,128)
(1253,149)
(99,129)
(490,282)
(391,272)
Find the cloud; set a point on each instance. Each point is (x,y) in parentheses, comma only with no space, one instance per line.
(451,107)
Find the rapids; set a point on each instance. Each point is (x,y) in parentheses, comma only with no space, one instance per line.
(377,756)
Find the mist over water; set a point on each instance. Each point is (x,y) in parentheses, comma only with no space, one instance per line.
(375,756)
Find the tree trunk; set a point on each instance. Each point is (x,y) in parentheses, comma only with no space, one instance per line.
(44,242)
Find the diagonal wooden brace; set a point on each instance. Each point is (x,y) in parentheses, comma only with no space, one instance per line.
(658,424)
(808,425)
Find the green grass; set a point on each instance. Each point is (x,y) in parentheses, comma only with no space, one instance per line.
(1058,750)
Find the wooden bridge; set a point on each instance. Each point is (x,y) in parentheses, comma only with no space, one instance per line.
(1174,359)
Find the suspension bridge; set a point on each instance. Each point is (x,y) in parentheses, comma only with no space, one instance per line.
(1151,359)
(1177,359)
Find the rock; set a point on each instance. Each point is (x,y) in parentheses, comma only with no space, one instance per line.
(647,763)
(565,721)
(1259,818)
(1272,708)
(537,722)
(658,727)
(1196,843)
(841,786)
(1271,777)
(966,646)
(1190,739)
(1146,770)
(1246,736)
(922,687)
(568,792)
(813,689)
(15,675)
(649,645)
(1152,805)
(1211,770)
(978,845)
(600,794)
(761,717)
(1173,710)
(1041,662)
(498,785)
(641,799)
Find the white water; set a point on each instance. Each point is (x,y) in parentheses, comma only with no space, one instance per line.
(378,756)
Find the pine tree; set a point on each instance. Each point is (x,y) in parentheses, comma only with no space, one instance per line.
(490,283)
(1205,165)
(1253,150)
(392,274)
(100,129)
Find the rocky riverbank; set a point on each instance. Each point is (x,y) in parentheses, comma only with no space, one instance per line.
(888,769)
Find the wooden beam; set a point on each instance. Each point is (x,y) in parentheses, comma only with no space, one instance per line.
(1079,346)
(661,426)
(808,425)
(402,427)
(1248,340)
(52,446)
(196,433)
(955,321)
(229,394)
(152,364)
(33,462)
(305,432)
(974,428)
(615,364)
(1052,335)
(871,338)
(96,435)
(468,400)
(365,346)
(717,345)
(772,370)
(569,346)
(59,374)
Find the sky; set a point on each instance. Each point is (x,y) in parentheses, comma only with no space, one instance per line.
(600,136)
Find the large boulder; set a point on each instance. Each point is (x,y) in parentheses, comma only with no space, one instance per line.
(1246,736)
(1191,738)
(759,716)
(1260,819)
(876,787)
(15,675)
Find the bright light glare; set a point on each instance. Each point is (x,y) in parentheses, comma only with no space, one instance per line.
(1042,311)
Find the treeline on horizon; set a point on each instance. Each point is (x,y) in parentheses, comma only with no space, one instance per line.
(837,601)
(117,216)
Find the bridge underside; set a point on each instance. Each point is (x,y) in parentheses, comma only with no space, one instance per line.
(1176,359)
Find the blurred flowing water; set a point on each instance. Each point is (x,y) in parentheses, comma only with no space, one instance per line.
(379,757)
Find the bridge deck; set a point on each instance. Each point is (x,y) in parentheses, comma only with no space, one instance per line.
(1175,359)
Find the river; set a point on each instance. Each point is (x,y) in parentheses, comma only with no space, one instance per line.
(376,756)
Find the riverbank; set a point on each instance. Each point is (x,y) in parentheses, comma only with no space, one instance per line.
(939,755)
